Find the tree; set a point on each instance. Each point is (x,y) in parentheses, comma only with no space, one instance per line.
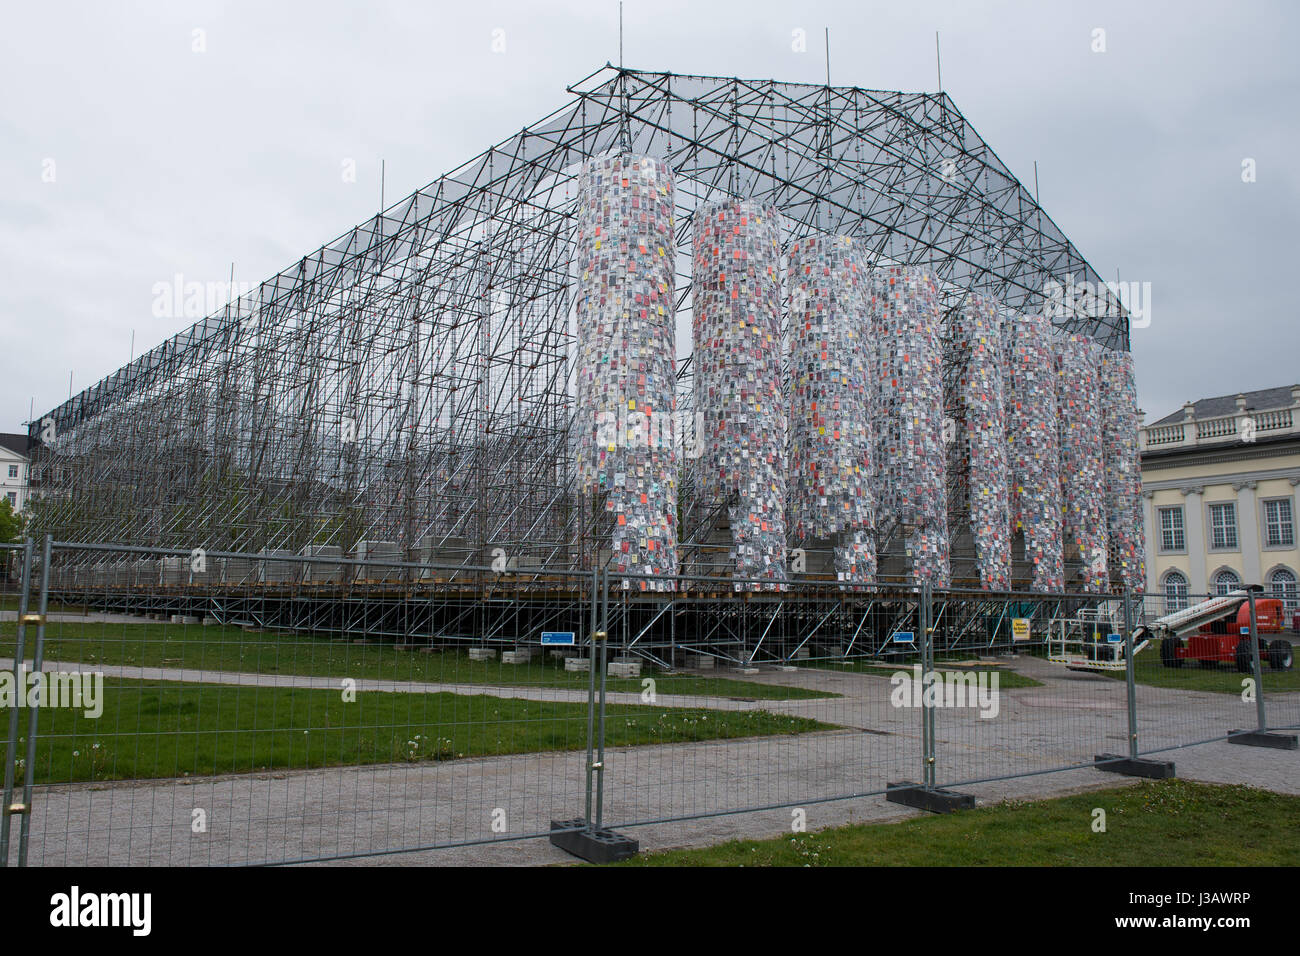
(11,525)
(11,531)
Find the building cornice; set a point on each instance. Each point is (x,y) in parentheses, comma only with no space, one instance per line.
(1241,478)
(1237,451)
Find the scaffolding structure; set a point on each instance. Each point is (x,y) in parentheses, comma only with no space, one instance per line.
(408,390)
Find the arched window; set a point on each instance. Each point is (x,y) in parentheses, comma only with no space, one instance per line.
(1225,581)
(1282,584)
(1175,592)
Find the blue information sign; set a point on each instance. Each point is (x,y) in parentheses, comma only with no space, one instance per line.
(904,637)
(557,637)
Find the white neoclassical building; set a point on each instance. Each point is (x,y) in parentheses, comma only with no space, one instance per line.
(1219,480)
(13,469)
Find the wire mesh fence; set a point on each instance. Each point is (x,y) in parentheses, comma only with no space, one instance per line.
(1233,673)
(1034,696)
(1097,677)
(797,686)
(322,710)
(236,708)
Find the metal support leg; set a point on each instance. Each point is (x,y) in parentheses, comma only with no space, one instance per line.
(1132,765)
(9,808)
(1130,680)
(588,838)
(34,711)
(1260,736)
(591,693)
(927,796)
(602,637)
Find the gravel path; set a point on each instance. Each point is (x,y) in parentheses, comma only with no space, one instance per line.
(363,685)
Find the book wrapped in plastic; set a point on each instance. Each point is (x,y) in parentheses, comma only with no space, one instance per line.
(739,390)
(626,369)
(977,360)
(1119,439)
(1033,447)
(1083,478)
(831,434)
(910,451)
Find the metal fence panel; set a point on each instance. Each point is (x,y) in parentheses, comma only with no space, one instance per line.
(302,721)
(1198,687)
(1012,704)
(16,584)
(760,698)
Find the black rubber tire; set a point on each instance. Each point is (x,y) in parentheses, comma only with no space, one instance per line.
(1281,656)
(1168,647)
(1245,664)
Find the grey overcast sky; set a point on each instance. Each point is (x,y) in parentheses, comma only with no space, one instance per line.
(165,160)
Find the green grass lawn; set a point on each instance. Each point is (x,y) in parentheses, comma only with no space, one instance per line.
(152,730)
(218,648)
(1165,823)
(9,602)
(1007,678)
(1224,678)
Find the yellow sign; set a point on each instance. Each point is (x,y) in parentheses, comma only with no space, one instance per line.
(1020,628)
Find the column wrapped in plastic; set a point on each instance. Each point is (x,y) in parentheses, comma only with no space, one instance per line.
(739,392)
(626,370)
(831,433)
(1083,478)
(980,433)
(1033,447)
(1120,454)
(910,452)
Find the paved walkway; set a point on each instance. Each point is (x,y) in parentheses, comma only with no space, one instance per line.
(79,617)
(363,685)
